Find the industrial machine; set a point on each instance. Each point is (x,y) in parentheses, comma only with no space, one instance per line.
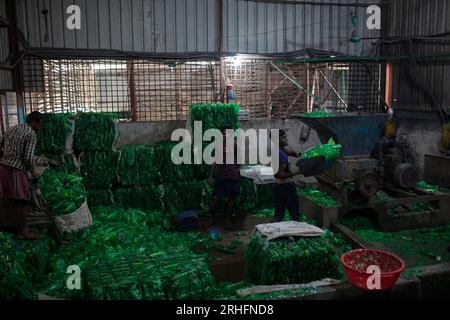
(372,163)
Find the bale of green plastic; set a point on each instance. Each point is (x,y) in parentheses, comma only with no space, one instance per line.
(144,198)
(182,196)
(95,131)
(168,171)
(329,150)
(247,197)
(264,195)
(127,255)
(67,162)
(136,166)
(99,169)
(287,261)
(99,197)
(52,137)
(63,193)
(215,116)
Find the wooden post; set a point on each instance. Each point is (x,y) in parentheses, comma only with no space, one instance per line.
(131,85)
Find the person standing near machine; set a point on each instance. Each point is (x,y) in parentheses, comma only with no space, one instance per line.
(284,189)
(224,178)
(17,169)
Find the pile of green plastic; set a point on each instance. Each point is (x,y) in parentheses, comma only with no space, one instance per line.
(51,138)
(99,169)
(317,196)
(215,116)
(430,187)
(157,259)
(417,247)
(95,131)
(161,275)
(330,151)
(144,198)
(22,266)
(283,261)
(168,171)
(136,167)
(319,114)
(63,193)
(99,197)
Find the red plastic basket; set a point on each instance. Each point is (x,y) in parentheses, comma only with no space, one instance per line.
(357,261)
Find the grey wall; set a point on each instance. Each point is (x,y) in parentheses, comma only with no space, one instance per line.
(152,132)
(177,26)
(422,136)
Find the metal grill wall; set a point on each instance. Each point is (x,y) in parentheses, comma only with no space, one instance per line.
(142,90)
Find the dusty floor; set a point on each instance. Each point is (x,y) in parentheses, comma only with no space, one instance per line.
(231,267)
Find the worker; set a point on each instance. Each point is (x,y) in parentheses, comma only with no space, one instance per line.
(284,189)
(224,178)
(17,169)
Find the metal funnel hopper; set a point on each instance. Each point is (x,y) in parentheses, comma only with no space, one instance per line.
(356,133)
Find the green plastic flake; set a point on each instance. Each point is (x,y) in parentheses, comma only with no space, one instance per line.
(63,193)
(136,166)
(330,151)
(99,169)
(431,188)
(52,137)
(417,247)
(283,261)
(263,213)
(95,131)
(317,196)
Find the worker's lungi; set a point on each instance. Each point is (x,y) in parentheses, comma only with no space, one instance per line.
(14,184)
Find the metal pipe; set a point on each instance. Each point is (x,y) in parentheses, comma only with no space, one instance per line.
(295,82)
(315,3)
(334,90)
